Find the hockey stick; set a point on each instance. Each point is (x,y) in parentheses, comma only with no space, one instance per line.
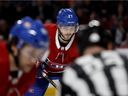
(46,76)
(49,80)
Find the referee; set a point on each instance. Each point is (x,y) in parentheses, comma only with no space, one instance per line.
(99,71)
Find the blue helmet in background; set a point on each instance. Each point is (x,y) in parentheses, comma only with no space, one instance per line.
(31,32)
(67,17)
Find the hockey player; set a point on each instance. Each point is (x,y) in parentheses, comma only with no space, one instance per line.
(100,71)
(28,42)
(63,40)
(63,49)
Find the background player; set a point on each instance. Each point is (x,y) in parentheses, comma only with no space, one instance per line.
(28,42)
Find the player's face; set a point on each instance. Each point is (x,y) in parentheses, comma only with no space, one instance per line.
(67,31)
(28,57)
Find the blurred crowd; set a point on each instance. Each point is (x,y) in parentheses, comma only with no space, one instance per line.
(112,14)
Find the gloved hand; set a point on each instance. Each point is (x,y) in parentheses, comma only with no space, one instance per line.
(41,67)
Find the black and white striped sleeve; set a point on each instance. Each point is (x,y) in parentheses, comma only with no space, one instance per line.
(105,75)
(72,85)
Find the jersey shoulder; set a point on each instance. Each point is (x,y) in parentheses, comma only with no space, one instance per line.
(50,27)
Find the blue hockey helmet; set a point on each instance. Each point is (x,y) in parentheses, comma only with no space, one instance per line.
(31,32)
(67,17)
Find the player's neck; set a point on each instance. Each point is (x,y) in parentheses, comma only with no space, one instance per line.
(62,41)
(93,50)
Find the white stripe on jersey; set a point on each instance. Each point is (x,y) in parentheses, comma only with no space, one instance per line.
(112,57)
(78,85)
(99,79)
(101,84)
(118,73)
(120,77)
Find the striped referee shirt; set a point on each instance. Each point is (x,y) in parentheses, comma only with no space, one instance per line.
(102,74)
